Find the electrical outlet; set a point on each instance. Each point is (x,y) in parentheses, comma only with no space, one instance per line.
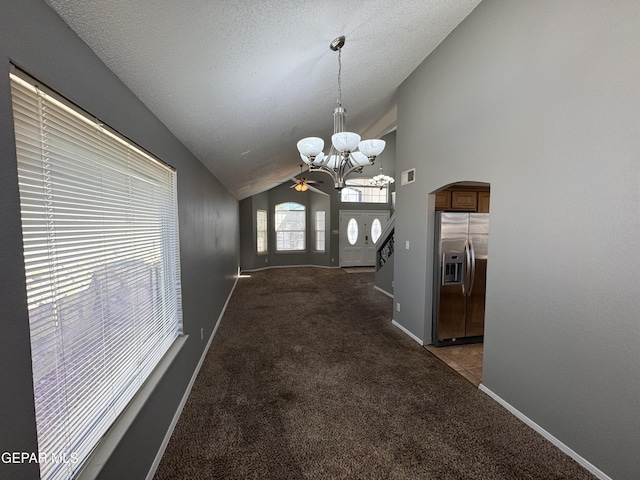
(406,245)
(398,306)
(202,334)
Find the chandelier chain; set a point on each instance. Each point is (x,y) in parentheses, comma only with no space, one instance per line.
(339,77)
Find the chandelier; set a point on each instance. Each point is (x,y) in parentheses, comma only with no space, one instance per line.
(381,180)
(348,154)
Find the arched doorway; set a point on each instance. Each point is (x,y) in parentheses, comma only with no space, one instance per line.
(461,230)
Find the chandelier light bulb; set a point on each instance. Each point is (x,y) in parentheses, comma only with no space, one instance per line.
(372,147)
(359,158)
(345,141)
(332,161)
(319,158)
(310,146)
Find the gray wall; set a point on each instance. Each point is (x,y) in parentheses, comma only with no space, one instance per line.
(248,257)
(34,38)
(541,100)
(313,201)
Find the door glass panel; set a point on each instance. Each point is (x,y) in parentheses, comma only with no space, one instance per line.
(376,230)
(352,231)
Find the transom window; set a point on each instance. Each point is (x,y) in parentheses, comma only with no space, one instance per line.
(358,190)
(290,227)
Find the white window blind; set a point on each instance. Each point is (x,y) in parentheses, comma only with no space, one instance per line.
(290,227)
(320,227)
(100,230)
(261,223)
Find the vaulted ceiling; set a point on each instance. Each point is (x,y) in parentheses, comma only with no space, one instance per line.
(239,82)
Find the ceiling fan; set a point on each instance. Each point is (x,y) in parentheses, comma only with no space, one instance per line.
(303,184)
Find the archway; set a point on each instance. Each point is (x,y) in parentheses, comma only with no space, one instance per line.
(461,231)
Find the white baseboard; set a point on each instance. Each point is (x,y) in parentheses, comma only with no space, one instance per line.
(564,448)
(383,291)
(286,266)
(176,416)
(407,332)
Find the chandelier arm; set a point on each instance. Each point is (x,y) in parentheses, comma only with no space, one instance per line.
(315,165)
(325,169)
(358,166)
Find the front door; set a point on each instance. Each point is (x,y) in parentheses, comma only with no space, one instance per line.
(359,230)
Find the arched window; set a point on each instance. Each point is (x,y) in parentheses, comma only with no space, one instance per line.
(290,226)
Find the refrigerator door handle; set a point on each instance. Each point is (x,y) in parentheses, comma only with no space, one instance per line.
(443,266)
(465,273)
(472,276)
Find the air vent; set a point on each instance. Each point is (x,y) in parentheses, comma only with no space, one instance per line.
(408,176)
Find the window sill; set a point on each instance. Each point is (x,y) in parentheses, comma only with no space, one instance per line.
(110,441)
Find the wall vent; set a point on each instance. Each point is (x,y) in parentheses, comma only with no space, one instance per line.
(408,176)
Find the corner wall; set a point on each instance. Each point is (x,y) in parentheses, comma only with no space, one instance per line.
(541,100)
(33,37)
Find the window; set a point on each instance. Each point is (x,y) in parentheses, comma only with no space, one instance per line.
(352,231)
(100,231)
(290,227)
(320,231)
(376,230)
(261,227)
(358,190)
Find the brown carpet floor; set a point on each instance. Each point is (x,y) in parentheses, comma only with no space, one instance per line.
(307,378)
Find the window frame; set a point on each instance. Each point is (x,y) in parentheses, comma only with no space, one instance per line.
(277,223)
(82,238)
(264,231)
(320,233)
(362,187)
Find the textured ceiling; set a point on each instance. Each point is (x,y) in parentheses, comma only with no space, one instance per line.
(239,82)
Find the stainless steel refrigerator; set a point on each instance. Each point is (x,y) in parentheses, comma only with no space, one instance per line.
(460,272)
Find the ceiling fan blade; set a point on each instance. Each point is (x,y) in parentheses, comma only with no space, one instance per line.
(315,190)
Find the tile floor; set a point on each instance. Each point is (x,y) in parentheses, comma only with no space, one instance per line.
(464,359)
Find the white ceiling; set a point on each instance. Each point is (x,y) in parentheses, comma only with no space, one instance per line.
(239,82)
